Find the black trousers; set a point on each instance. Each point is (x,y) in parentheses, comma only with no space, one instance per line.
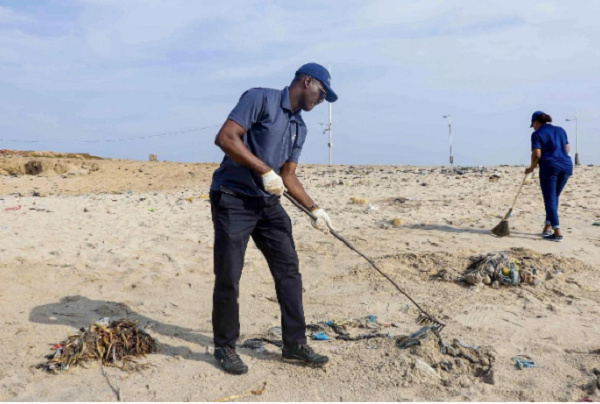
(236,219)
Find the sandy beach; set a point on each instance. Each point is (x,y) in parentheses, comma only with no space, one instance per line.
(133,239)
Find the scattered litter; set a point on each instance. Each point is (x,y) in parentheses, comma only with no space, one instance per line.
(18,207)
(275,331)
(151,209)
(320,336)
(397,222)
(459,342)
(371,318)
(363,336)
(203,196)
(371,208)
(524,362)
(359,201)
(248,394)
(258,344)
(585,400)
(121,340)
(414,338)
(425,368)
(596,224)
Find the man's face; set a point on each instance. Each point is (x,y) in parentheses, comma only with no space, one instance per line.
(314,93)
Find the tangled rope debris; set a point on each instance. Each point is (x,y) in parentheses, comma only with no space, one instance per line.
(110,343)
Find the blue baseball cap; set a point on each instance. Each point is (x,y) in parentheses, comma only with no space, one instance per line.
(534,117)
(320,73)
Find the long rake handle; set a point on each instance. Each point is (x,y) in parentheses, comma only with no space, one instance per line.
(349,245)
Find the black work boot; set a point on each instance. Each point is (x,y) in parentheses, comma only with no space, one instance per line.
(302,353)
(230,361)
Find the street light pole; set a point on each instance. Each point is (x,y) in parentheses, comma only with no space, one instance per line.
(450,136)
(330,130)
(576,142)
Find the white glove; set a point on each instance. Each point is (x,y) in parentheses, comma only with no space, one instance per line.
(273,183)
(323,221)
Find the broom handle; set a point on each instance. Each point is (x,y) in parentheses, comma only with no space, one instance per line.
(343,240)
(518,193)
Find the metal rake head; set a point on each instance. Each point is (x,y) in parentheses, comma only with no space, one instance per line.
(425,319)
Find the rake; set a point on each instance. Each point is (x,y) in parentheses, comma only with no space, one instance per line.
(502,228)
(424,317)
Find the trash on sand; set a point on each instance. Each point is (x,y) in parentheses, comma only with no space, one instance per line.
(498,268)
(425,368)
(18,207)
(585,400)
(359,201)
(275,331)
(596,224)
(371,208)
(258,344)
(413,339)
(363,336)
(397,222)
(248,394)
(459,342)
(151,209)
(371,318)
(189,198)
(524,362)
(320,336)
(121,340)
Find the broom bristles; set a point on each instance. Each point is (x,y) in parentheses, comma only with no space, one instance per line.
(501,229)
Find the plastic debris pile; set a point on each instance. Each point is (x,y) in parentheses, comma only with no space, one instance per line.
(498,268)
(121,340)
(445,359)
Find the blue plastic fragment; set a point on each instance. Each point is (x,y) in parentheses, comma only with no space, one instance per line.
(371,318)
(523,363)
(320,336)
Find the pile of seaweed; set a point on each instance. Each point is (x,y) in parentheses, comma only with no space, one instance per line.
(109,342)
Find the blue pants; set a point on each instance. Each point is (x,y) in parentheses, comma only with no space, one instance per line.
(236,219)
(552,185)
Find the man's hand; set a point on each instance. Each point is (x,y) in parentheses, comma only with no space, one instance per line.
(529,170)
(273,183)
(323,221)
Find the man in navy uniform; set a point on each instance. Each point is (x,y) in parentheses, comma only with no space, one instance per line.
(262,139)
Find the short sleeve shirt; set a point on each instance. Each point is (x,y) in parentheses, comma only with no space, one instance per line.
(552,141)
(273,134)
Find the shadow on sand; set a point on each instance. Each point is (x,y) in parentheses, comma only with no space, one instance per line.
(78,311)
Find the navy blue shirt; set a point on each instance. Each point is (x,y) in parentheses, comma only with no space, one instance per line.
(273,134)
(552,141)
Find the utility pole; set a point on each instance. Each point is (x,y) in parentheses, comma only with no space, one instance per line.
(330,130)
(450,136)
(576,151)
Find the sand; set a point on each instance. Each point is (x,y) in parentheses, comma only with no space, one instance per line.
(121,239)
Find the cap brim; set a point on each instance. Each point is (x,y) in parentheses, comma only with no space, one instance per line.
(331,96)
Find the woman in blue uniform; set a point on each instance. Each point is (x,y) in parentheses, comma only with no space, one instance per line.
(550,150)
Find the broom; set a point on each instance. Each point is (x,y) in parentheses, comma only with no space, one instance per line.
(502,228)
(424,318)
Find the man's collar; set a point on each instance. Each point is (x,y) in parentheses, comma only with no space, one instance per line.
(285,101)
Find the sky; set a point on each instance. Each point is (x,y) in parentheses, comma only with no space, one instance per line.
(162,76)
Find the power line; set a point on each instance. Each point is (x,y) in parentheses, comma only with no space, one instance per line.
(127,139)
